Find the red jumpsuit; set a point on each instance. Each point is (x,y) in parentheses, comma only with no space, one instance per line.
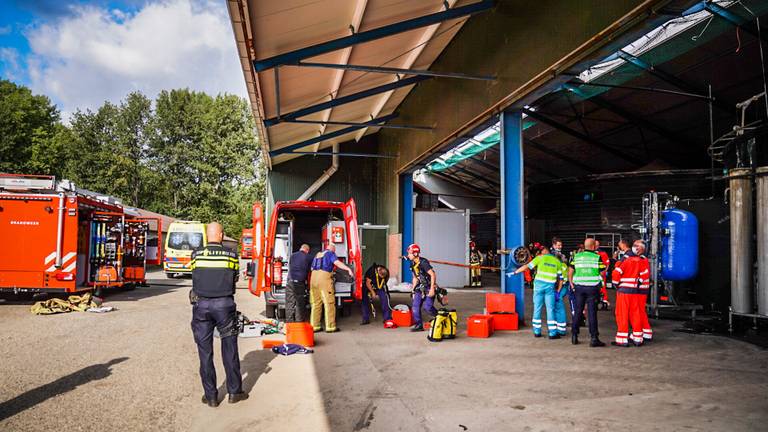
(631,276)
(607,263)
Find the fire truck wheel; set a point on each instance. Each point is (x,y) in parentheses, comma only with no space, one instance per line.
(271,311)
(170,275)
(98,292)
(129,287)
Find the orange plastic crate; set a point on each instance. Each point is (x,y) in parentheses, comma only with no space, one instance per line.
(495,302)
(506,321)
(300,333)
(402,319)
(480,326)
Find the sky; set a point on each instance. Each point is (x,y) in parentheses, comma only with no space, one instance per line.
(81,53)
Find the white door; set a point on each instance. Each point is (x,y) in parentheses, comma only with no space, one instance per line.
(444,236)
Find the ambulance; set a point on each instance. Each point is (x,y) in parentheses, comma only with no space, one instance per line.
(293,223)
(58,238)
(183,238)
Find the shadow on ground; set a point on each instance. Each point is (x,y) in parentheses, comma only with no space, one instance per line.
(62,385)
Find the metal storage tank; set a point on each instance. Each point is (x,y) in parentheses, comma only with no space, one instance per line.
(680,246)
(740,182)
(761,180)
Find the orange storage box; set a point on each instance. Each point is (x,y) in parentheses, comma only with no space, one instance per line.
(480,326)
(495,302)
(402,319)
(505,321)
(269,343)
(300,333)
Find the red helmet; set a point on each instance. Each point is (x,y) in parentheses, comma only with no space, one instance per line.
(471,244)
(414,248)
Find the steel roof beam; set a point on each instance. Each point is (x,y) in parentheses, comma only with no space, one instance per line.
(557,155)
(463,184)
(671,79)
(330,135)
(293,57)
(344,100)
(580,136)
(610,106)
(342,123)
(733,19)
(391,70)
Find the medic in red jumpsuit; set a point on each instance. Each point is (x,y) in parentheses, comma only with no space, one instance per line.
(631,277)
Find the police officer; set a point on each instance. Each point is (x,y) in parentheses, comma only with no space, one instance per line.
(321,291)
(424,286)
(296,290)
(584,276)
(214,273)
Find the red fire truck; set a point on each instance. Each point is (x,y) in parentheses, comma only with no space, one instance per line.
(292,224)
(246,244)
(55,237)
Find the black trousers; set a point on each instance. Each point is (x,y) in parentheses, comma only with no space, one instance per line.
(585,295)
(219,312)
(296,301)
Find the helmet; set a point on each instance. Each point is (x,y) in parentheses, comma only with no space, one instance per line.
(389,324)
(471,244)
(414,248)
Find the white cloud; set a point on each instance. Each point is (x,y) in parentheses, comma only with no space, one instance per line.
(96,54)
(9,58)
(4,30)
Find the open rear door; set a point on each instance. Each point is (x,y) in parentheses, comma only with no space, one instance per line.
(255,270)
(355,255)
(158,257)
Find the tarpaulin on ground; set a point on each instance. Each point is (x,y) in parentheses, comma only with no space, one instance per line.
(74,303)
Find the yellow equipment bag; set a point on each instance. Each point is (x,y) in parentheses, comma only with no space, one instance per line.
(436,327)
(449,325)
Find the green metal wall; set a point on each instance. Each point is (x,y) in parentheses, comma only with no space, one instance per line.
(354,179)
(515,42)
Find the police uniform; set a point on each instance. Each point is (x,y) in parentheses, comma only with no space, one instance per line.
(214,273)
(322,293)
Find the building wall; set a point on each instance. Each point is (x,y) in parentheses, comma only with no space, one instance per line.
(355,178)
(519,39)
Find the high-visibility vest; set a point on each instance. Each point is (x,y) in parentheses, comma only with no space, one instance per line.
(587,266)
(548,268)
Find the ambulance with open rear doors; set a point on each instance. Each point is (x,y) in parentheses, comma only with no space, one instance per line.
(292,224)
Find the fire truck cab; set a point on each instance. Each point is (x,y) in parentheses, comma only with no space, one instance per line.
(292,224)
(55,237)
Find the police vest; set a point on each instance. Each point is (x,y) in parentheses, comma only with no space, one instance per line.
(214,271)
(587,266)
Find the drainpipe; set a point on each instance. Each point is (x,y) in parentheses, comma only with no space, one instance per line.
(324,177)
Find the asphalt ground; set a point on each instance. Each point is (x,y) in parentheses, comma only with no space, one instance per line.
(136,369)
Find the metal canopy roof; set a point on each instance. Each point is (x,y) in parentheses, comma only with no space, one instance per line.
(273,37)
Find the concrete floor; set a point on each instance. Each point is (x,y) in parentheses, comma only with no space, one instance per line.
(136,369)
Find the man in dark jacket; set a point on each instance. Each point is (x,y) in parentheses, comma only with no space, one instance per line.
(296,290)
(214,273)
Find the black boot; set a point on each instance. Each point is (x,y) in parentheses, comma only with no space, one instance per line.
(574,339)
(594,343)
(417,327)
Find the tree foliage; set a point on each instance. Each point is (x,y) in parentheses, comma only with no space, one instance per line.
(186,154)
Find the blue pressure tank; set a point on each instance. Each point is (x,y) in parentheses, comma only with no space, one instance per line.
(680,246)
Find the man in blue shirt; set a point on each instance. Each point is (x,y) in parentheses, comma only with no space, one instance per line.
(296,289)
(321,290)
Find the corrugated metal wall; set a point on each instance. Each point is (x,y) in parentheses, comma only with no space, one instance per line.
(354,179)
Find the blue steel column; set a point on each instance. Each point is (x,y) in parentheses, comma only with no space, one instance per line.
(512,216)
(406,182)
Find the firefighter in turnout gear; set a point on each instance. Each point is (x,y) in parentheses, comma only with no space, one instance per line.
(632,277)
(424,286)
(475,261)
(546,285)
(214,273)
(321,291)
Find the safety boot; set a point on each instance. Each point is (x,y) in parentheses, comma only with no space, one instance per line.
(213,403)
(417,327)
(237,397)
(623,345)
(574,339)
(595,343)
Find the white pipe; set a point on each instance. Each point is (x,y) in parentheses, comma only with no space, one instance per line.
(323,177)
(60,230)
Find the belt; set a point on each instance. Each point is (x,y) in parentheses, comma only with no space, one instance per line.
(298,281)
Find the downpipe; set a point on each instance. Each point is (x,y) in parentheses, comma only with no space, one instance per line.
(323,177)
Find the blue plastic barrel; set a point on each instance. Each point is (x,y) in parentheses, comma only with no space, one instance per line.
(680,246)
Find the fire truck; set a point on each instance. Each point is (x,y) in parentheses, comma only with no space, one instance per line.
(246,244)
(292,224)
(57,238)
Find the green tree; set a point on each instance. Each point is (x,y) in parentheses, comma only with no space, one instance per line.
(29,128)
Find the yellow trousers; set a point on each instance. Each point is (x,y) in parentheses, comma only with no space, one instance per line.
(322,296)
